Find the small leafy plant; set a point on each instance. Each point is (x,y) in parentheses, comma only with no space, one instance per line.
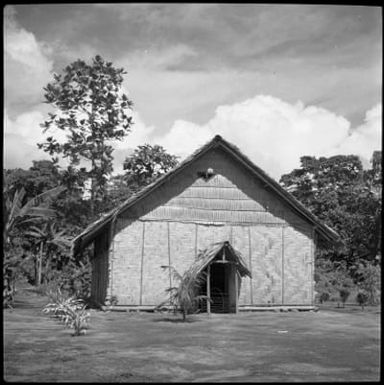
(324,297)
(184,297)
(70,310)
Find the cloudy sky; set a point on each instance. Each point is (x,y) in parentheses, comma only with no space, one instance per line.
(278,81)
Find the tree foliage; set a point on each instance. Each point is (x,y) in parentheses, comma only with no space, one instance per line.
(146,164)
(348,199)
(91,109)
(339,192)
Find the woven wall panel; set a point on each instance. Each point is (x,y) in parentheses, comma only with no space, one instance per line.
(205,237)
(297,268)
(266,250)
(182,246)
(126,264)
(220,233)
(240,242)
(155,280)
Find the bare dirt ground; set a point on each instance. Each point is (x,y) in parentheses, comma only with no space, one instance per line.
(329,345)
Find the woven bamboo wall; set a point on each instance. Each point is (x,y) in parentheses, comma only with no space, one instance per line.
(239,236)
(266,252)
(125,281)
(177,220)
(182,245)
(298,268)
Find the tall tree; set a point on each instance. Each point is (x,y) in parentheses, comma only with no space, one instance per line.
(92,111)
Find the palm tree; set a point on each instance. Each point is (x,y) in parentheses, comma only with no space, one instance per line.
(184,297)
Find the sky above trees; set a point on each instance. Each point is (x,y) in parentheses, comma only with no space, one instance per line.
(279,81)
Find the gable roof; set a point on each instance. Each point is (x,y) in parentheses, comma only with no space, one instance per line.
(84,238)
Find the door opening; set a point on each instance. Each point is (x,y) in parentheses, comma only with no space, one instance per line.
(222,288)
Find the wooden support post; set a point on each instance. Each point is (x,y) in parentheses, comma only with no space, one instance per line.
(250,262)
(236,292)
(209,289)
(282,265)
(169,257)
(196,230)
(142,263)
(111,253)
(312,259)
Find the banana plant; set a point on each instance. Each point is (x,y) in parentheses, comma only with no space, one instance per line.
(15,215)
(49,242)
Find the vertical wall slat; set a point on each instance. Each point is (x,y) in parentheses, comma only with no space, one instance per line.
(312,257)
(169,257)
(282,265)
(250,261)
(196,230)
(142,265)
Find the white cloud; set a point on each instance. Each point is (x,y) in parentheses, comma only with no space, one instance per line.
(157,59)
(139,135)
(20,138)
(271,132)
(366,138)
(26,60)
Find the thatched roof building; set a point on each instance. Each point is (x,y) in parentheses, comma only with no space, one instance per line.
(215,202)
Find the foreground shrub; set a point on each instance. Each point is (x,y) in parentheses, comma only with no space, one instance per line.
(369,282)
(362,298)
(184,297)
(70,310)
(344,294)
(323,297)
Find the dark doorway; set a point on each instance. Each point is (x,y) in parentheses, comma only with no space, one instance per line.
(222,288)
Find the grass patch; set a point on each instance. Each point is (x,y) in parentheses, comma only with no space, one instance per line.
(333,344)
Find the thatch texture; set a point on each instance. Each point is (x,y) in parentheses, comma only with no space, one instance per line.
(208,255)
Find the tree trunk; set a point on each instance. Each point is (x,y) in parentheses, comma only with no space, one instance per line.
(39,264)
(46,269)
(92,202)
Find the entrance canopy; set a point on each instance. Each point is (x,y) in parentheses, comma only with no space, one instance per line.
(227,254)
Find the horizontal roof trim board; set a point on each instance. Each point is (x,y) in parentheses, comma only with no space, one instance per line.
(216,204)
(217,142)
(212,193)
(180,213)
(208,223)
